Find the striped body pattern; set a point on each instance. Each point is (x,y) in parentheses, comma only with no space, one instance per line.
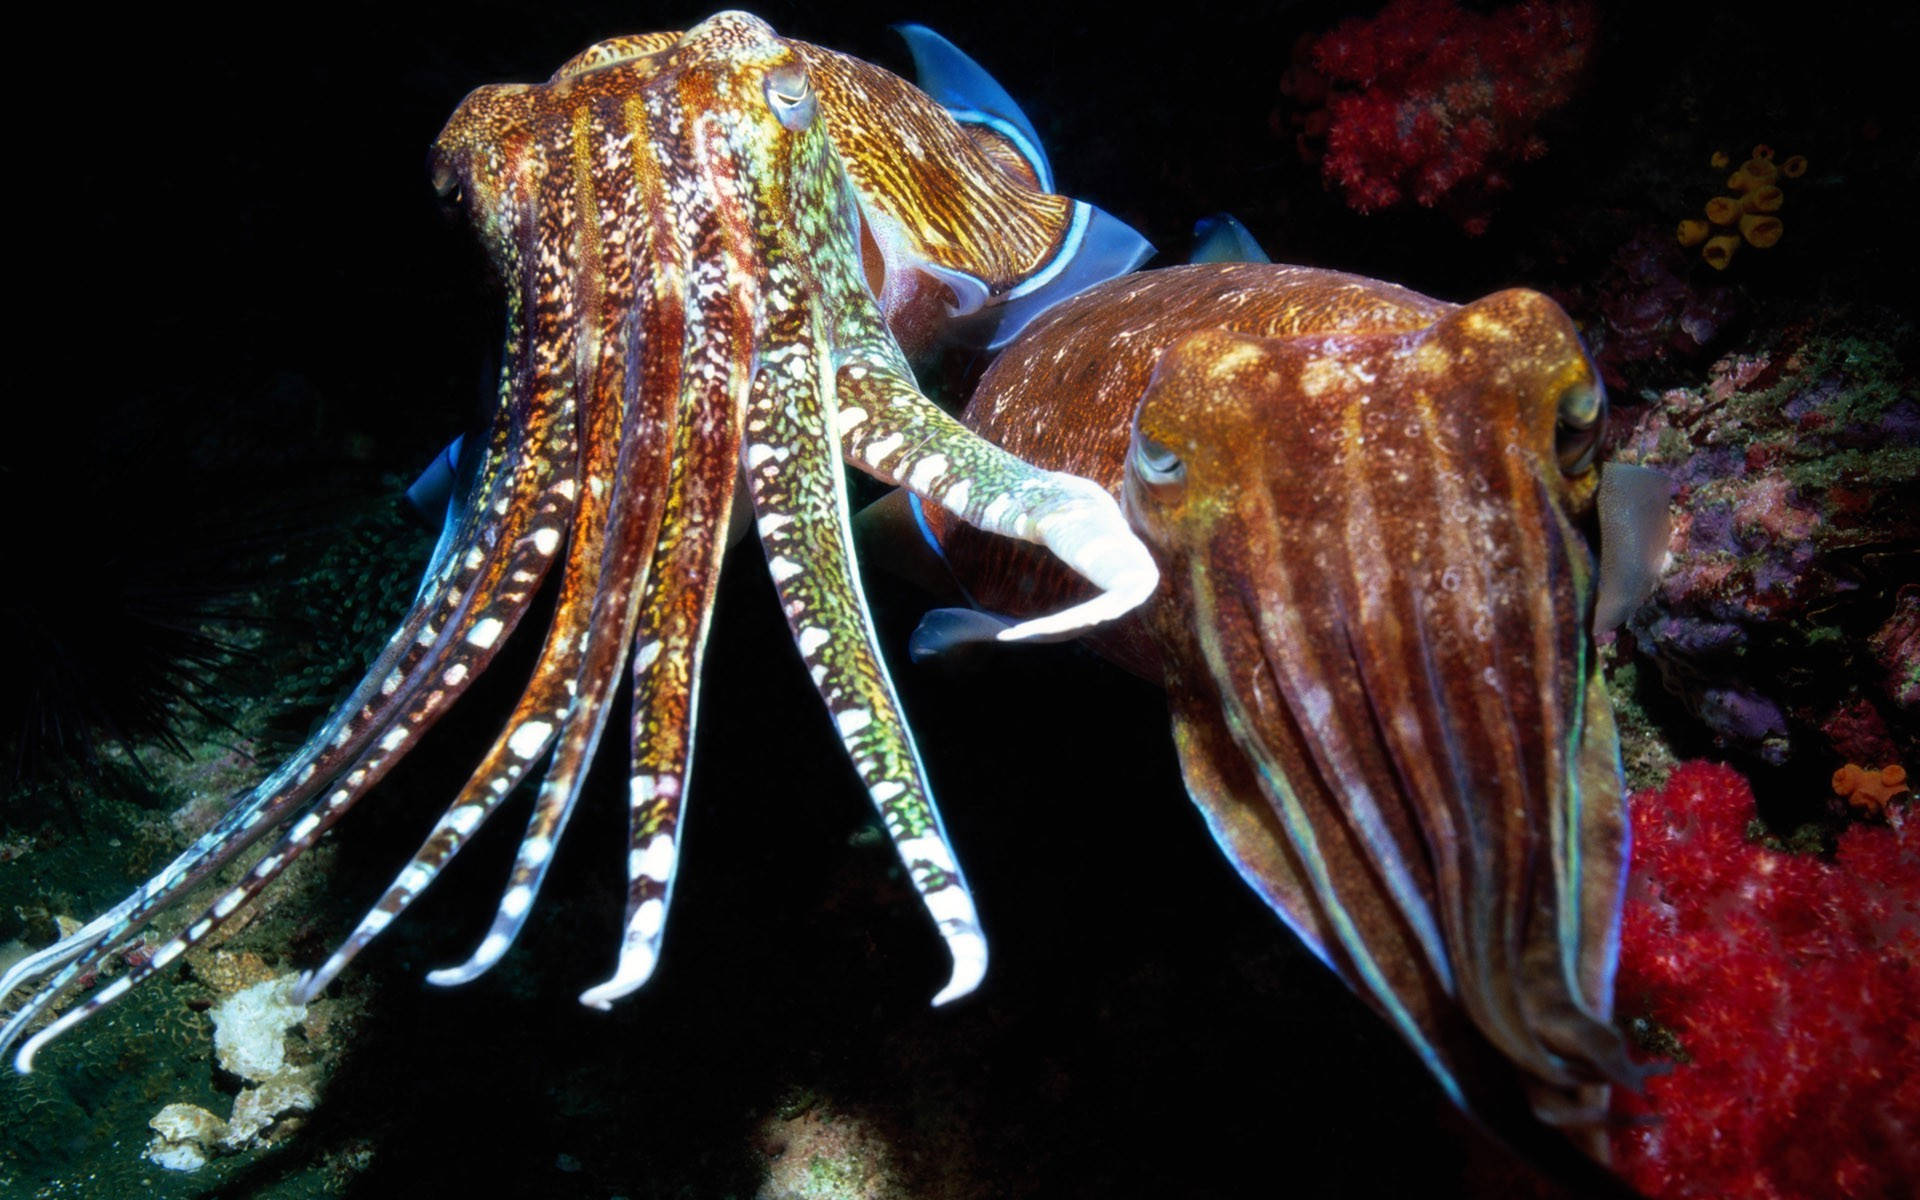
(697,234)
(1372,625)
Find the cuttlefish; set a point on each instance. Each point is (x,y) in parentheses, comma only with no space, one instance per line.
(1373,625)
(706,240)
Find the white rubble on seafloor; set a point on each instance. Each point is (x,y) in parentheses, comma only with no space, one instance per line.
(249,1039)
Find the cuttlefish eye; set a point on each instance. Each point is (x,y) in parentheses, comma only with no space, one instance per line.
(1582,419)
(790,95)
(1155,464)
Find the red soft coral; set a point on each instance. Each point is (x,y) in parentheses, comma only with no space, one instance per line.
(1793,987)
(1428,102)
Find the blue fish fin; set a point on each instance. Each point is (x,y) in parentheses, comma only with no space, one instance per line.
(1222,238)
(1634,528)
(1098,247)
(972,96)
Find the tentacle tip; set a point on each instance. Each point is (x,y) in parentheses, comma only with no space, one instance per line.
(23,1061)
(466,972)
(969,952)
(307,986)
(491,951)
(636,967)
(1126,594)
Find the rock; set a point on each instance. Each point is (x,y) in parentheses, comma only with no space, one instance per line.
(249,1039)
(185,1136)
(249,1029)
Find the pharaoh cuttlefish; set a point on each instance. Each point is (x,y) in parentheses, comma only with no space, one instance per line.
(702,238)
(1373,626)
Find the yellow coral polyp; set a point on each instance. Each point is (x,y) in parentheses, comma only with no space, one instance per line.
(1760,230)
(1748,212)
(1753,173)
(1719,160)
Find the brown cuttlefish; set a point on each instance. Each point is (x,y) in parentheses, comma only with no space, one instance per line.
(1373,625)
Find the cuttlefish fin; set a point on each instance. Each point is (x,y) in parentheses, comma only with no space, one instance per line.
(1605,843)
(973,97)
(1098,247)
(433,492)
(1221,238)
(942,630)
(1634,528)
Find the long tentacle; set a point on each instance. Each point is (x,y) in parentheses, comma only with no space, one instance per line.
(506,542)
(640,523)
(295,782)
(674,519)
(605,169)
(669,643)
(677,606)
(800,499)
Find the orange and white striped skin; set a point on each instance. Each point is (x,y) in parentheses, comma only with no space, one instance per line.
(1372,625)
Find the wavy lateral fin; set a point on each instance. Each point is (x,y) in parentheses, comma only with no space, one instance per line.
(1634,529)
(943,629)
(1221,238)
(1098,247)
(972,96)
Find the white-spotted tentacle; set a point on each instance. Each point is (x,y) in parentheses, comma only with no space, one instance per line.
(637,519)
(267,803)
(468,657)
(799,496)
(669,638)
(446,640)
(890,430)
(606,369)
(702,378)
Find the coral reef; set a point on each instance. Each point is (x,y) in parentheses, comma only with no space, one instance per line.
(1751,214)
(1430,103)
(1796,465)
(1785,987)
(1651,307)
(1896,648)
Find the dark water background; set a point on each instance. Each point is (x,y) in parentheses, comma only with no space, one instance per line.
(232,280)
